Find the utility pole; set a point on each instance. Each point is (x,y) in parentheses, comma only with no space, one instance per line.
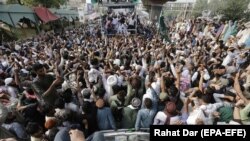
(185,13)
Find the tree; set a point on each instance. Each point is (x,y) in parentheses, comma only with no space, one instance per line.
(230,9)
(45,3)
(12,1)
(200,6)
(29,3)
(235,10)
(215,7)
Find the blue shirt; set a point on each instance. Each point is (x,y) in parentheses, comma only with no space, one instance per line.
(105,119)
(144,118)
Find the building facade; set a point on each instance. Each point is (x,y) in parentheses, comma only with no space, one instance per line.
(181,9)
(179,6)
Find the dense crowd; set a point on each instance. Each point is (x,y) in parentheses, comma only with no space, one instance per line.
(79,79)
(115,22)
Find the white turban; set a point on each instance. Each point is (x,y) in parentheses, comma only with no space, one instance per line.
(93,75)
(7,81)
(112,80)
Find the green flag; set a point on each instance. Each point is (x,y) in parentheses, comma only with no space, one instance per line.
(135,1)
(93,1)
(163,29)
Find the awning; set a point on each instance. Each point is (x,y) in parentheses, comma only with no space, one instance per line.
(5,17)
(45,15)
(69,14)
(12,13)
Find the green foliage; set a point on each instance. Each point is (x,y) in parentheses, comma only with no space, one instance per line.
(216,6)
(30,3)
(230,9)
(235,10)
(45,3)
(199,6)
(12,1)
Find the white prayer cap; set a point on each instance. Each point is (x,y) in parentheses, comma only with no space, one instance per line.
(24,71)
(65,85)
(91,79)
(117,53)
(117,62)
(182,58)
(112,80)
(25,61)
(93,75)
(51,73)
(122,68)
(5,63)
(34,55)
(17,47)
(206,76)
(7,81)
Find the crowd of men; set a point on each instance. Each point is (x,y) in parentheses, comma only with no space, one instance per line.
(119,22)
(52,83)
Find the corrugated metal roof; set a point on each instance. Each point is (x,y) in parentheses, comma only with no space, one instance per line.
(12,13)
(65,13)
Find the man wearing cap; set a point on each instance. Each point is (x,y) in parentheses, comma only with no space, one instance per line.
(129,114)
(93,80)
